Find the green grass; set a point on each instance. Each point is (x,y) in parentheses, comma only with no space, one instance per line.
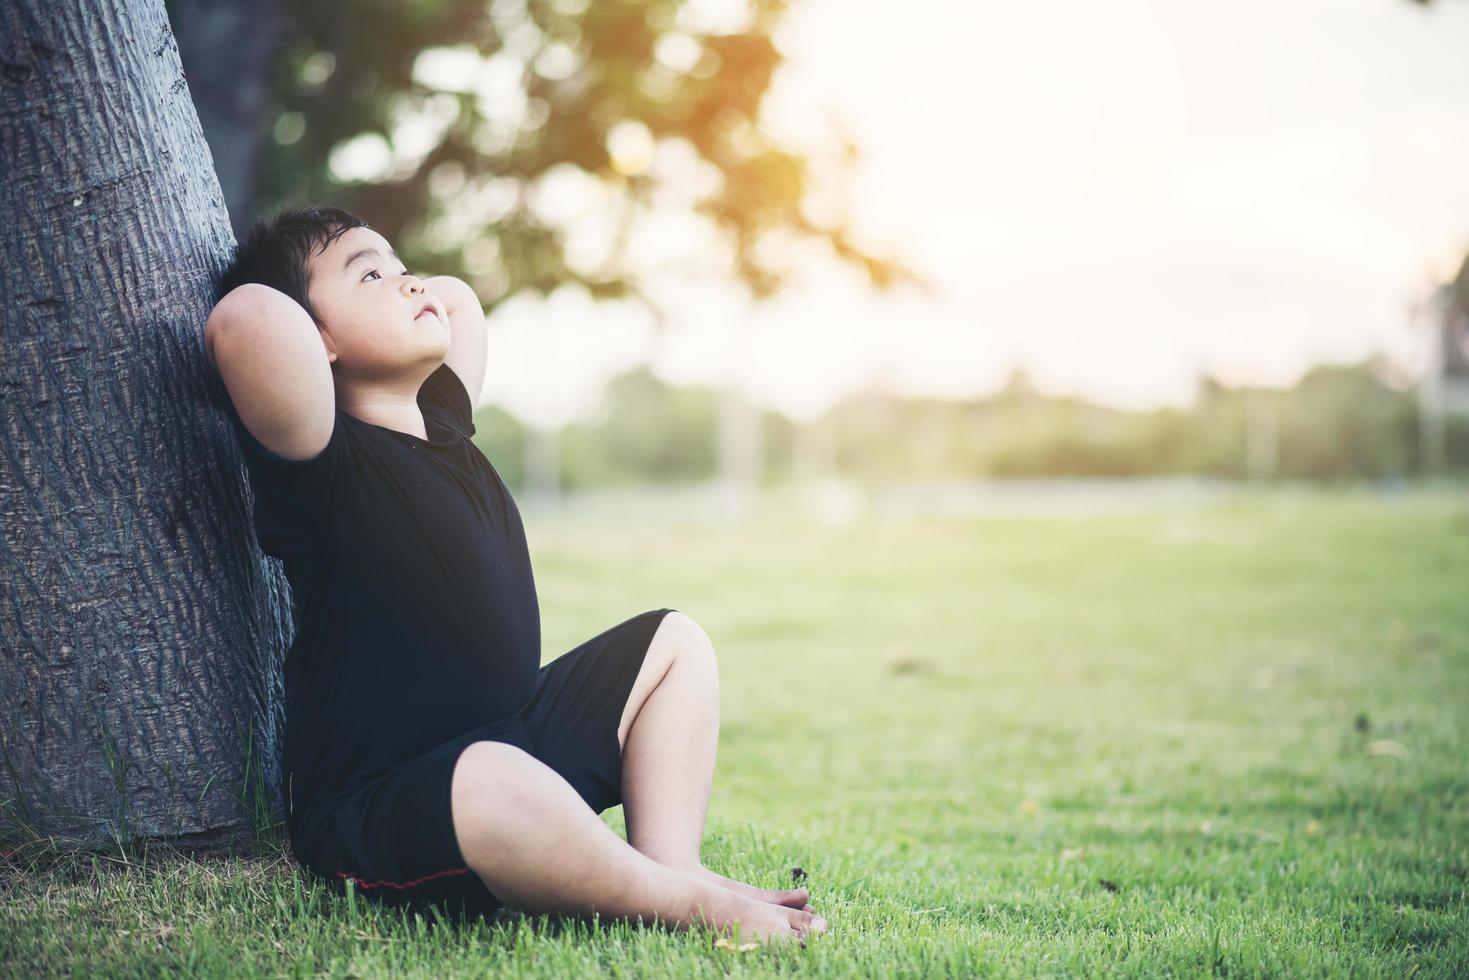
(1227,740)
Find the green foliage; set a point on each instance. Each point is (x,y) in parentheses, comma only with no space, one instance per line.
(1340,422)
(501,437)
(547,85)
(649,431)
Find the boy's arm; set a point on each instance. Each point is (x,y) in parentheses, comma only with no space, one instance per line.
(469,338)
(274,367)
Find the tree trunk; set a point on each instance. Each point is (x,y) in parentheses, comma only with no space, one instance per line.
(143,629)
(228,49)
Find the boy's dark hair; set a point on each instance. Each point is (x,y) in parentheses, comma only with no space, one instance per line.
(274,251)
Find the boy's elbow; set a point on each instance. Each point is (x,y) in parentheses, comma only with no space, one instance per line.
(455,292)
(234,305)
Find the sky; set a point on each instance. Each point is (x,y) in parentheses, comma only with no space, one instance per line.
(1115,197)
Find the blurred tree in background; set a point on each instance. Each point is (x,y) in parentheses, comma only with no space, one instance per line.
(437,121)
(648,431)
(479,136)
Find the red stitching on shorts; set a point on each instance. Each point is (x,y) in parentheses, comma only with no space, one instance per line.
(402,884)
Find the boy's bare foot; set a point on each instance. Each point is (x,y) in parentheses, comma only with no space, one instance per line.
(758,921)
(794,898)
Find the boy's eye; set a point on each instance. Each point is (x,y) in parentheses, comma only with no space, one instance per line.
(374,272)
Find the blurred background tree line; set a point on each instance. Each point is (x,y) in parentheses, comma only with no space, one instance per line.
(1340,423)
(438,121)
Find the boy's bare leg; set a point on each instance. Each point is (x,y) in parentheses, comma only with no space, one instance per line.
(539,848)
(669,736)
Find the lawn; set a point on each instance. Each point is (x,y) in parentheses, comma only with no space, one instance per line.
(1226,739)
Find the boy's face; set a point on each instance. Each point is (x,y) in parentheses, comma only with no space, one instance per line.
(369,307)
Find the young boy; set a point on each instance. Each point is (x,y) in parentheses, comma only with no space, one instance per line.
(427,755)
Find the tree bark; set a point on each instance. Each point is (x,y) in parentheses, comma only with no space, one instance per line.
(143,630)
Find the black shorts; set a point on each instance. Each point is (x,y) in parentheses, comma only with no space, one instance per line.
(394,837)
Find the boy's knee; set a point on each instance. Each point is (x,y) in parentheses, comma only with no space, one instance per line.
(487,768)
(684,636)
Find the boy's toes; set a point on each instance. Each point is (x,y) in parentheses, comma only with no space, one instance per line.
(808,922)
(791,898)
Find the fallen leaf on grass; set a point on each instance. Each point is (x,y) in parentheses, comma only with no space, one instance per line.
(1313,826)
(1387,746)
(1073,853)
(1029,806)
(907,664)
(1111,886)
(722,943)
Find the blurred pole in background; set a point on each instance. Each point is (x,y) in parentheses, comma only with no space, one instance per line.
(1262,431)
(739,450)
(816,448)
(543,466)
(1428,317)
